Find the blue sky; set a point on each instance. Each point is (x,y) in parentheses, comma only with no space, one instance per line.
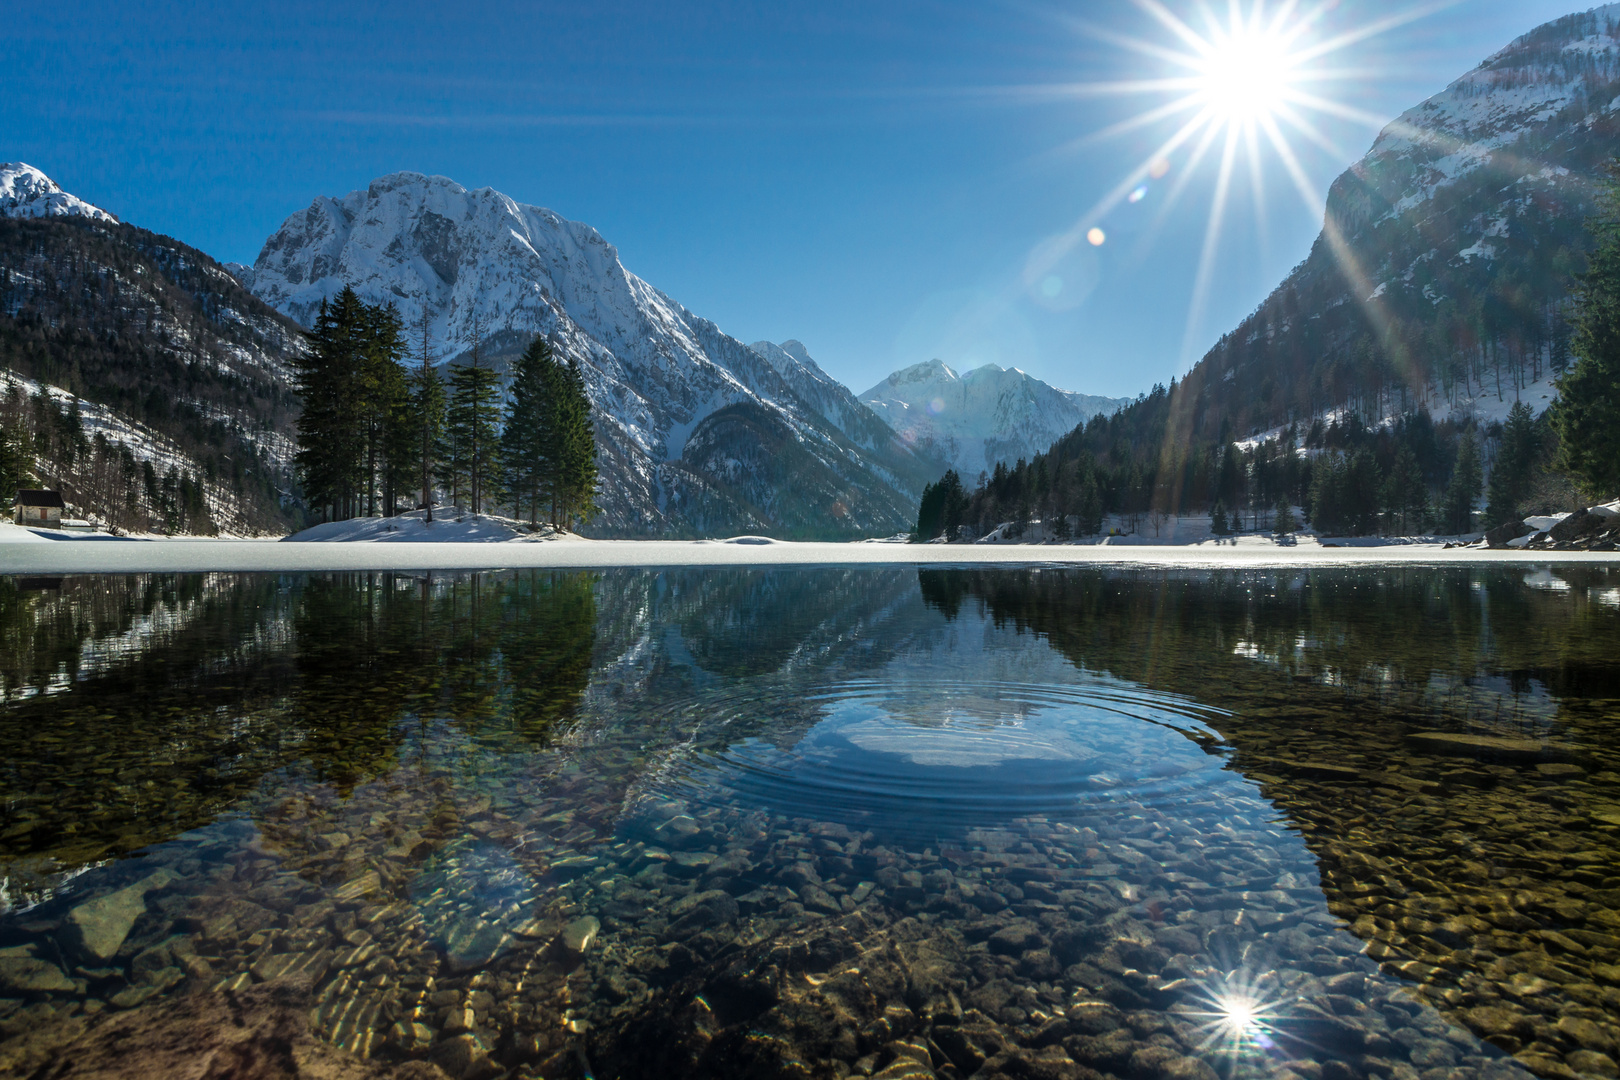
(879,180)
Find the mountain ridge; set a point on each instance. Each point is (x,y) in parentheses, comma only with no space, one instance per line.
(480,264)
(978,418)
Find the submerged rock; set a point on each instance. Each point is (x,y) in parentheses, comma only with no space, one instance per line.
(95,930)
(578,935)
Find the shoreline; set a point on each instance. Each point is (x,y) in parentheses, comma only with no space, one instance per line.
(274,556)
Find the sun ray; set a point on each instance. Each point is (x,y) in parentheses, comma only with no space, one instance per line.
(1212,239)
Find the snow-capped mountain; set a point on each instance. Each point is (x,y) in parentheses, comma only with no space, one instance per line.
(977,418)
(684,412)
(25,192)
(1448,254)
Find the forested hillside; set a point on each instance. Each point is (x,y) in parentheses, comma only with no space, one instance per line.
(142,380)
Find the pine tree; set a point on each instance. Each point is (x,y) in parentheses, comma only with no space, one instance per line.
(529,442)
(1515,460)
(1283,521)
(330,378)
(1405,492)
(1464,487)
(474,415)
(386,410)
(16,459)
(575,436)
(426,411)
(1587,414)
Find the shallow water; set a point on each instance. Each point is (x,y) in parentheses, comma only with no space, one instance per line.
(814,822)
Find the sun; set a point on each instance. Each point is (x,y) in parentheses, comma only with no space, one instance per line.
(1247,76)
(1234,86)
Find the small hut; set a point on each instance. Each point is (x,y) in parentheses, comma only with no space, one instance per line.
(39,508)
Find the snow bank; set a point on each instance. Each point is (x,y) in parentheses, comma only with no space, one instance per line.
(447,527)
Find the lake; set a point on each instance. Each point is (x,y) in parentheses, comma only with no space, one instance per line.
(1323,823)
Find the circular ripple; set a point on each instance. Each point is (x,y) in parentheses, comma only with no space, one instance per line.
(933,759)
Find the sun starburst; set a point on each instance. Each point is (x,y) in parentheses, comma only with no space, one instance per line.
(1243,85)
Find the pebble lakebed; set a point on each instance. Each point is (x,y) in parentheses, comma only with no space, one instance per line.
(653,897)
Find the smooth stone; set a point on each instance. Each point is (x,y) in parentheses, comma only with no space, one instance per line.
(96,929)
(465,1057)
(578,935)
(358,888)
(24,975)
(472,943)
(1488,746)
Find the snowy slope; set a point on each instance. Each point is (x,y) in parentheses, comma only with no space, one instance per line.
(656,372)
(980,417)
(25,192)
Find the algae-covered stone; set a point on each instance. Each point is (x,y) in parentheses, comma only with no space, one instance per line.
(25,975)
(96,929)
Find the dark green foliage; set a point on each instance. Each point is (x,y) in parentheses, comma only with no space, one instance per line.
(1511,475)
(575,434)
(1406,494)
(530,444)
(940,513)
(426,415)
(1587,417)
(16,460)
(1464,487)
(1283,521)
(1217,520)
(473,432)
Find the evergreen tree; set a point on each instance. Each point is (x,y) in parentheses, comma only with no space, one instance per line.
(1406,494)
(575,437)
(16,459)
(474,413)
(1515,460)
(330,377)
(1217,520)
(1464,487)
(1283,521)
(426,414)
(1587,414)
(389,443)
(529,443)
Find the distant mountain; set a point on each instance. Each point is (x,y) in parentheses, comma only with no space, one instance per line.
(25,192)
(1447,254)
(156,384)
(973,420)
(694,427)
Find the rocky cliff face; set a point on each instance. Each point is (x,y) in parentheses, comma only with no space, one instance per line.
(480,262)
(977,418)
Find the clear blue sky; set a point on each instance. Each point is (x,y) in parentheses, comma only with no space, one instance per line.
(871,178)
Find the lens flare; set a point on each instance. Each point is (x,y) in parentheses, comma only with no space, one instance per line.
(1096,237)
(1138,195)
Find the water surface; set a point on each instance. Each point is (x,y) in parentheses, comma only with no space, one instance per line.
(813,822)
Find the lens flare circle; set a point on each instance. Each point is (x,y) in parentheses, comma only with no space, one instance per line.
(1096,237)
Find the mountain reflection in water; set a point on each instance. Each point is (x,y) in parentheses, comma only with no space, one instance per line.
(822,822)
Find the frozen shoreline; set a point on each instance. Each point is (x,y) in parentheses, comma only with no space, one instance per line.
(106,555)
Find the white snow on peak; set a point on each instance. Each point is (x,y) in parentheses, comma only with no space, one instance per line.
(1477,119)
(476,258)
(25,192)
(974,419)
